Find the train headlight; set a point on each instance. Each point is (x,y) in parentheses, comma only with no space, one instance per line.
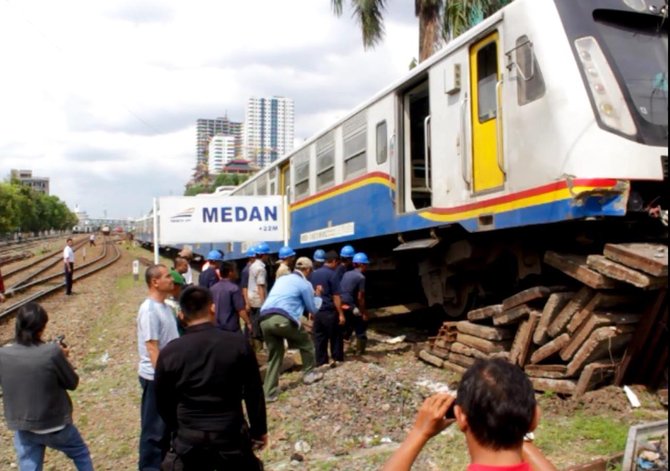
(605,89)
(637,5)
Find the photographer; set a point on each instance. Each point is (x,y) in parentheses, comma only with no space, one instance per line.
(35,377)
(495,409)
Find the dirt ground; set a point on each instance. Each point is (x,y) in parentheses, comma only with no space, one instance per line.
(352,420)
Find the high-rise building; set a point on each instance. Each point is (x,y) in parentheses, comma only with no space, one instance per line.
(221,153)
(208,128)
(39,184)
(268,129)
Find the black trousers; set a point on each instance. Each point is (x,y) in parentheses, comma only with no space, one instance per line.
(194,450)
(326,330)
(68,278)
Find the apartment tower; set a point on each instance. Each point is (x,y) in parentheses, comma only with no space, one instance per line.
(269,129)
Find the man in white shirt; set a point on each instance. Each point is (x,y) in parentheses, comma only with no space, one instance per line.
(257,292)
(156,327)
(187,254)
(68,265)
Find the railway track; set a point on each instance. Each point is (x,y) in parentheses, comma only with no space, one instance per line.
(29,291)
(57,259)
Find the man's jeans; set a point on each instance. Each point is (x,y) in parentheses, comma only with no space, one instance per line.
(154,437)
(30,448)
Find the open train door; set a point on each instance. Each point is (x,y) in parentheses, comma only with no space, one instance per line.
(486,87)
(285,191)
(414,147)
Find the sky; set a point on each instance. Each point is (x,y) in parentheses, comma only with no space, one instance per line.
(102,97)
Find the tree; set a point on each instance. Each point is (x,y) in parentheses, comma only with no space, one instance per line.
(439,20)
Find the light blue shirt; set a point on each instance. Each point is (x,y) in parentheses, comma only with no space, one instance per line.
(155,321)
(292,295)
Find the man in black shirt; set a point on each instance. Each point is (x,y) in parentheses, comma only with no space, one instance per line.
(201,380)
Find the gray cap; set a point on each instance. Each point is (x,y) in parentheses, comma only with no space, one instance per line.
(303,262)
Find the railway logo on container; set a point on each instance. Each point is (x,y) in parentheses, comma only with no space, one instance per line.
(183,216)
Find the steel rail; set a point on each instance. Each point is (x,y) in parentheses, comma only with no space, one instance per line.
(78,245)
(15,307)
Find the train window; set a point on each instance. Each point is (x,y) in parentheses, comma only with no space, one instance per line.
(355,158)
(325,161)
(487,80)
(529,80)
(301,163)
(382,143)
(262,187)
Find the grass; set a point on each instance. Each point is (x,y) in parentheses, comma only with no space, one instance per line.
(588,436)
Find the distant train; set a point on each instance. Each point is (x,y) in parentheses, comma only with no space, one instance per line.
(545,125)
(105,230)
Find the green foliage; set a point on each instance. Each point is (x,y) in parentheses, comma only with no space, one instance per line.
(222,179)
(451,17)
(24,209)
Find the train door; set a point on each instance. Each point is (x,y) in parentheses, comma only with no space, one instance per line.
(285,190)
(415,161)
(487,146)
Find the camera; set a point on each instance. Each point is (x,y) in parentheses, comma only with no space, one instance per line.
(60,341)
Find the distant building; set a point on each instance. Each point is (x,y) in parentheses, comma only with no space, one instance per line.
(221,152)
(269,129)
(39,184)
(208,128)
(240,166)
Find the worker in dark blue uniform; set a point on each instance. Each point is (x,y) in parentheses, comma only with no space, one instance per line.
(329,320)
(352,289)
(319,258)
(210,277)
(346,255)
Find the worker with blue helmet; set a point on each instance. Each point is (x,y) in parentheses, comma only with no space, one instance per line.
(319,258)
(346,264)
(257,291)
(352,292)
(210,274)
(286,261)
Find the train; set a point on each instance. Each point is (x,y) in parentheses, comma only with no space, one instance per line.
(544,126)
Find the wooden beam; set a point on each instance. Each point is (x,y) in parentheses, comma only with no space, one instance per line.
(431,359)
(560,386)
(551,348)
(554,306)
(513,316)
(485,332)
(605,342)
(547,371)
(576,267)
(620,272)
(524,297)
(485,313)
(468,351)
(523,340)
(462,360)
(600,300)
(575,305)
(594,322)
(649,258)
(594,374)
(482,345)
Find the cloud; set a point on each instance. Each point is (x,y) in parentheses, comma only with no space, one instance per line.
(105,102)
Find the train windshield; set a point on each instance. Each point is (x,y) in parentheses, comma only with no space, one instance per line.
(639,45)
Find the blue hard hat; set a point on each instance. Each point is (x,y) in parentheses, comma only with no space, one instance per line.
(286,252)
(347,251)
(319,255)
(215,256)
(360,257)
(262,249)
(251,252)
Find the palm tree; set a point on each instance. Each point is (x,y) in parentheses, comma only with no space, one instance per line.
(438,19)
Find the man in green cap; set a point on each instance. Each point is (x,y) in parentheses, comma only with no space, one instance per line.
(173,299)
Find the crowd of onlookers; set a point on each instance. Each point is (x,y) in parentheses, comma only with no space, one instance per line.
(203,404)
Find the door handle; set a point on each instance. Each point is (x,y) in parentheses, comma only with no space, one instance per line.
(464,143)
(499,126)
(426,136)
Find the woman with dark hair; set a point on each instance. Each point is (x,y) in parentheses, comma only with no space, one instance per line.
(35,377)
